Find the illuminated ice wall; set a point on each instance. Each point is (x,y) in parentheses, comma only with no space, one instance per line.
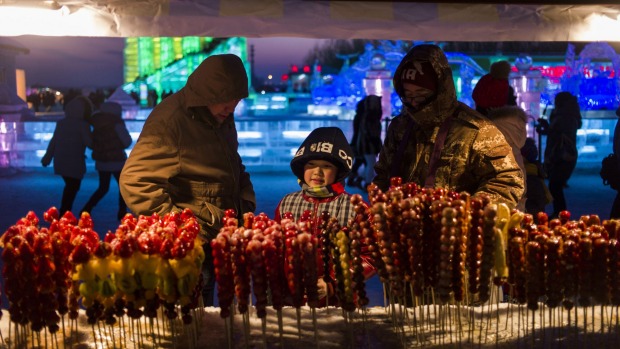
(163,64)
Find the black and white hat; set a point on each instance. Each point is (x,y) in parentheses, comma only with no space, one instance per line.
(324,143)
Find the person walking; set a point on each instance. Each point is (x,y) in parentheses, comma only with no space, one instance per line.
(615,207)
(561,148)
(367,140)
(187,155)
(438,141)
(110,139)
(67,147)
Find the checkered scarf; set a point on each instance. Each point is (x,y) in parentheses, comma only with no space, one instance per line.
(338,206)
(324,191)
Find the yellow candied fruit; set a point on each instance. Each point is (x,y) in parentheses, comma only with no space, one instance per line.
(141,302)
(149,294)
(184,300)
(87,302)
(108,302)
(171,298)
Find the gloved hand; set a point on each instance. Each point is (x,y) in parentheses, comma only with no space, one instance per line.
(542,126)
(46,160)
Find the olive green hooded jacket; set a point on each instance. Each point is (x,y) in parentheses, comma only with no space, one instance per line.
(184,158)
(476,157)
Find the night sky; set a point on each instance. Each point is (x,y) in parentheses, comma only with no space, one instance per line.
(97,62)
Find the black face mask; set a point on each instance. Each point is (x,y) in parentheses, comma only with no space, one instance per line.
(414,109)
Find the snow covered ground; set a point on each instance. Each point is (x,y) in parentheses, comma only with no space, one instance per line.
(500,325)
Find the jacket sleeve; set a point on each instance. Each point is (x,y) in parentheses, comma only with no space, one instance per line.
(386,156)
(49,153)
(248,197)
(494,164)
(276,215)
(123,134)
(87,135)
(153,160)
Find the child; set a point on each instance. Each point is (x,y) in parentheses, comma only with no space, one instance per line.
(537,194)
(321,164)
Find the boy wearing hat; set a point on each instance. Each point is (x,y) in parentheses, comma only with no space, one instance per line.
(321,165)
(438,141)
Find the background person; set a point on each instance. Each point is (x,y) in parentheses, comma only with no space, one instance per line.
(438,141)
(110,139)
(561,148)
(615,207)
(537,194)
(354,179)
(367,140)
(495,99)
(67,147)
(186,155)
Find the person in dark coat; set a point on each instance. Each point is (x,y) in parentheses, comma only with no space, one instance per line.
(355,180)
(537,194)
(110,139)
(67,146)
(615,208)
(561,148)
(368,142)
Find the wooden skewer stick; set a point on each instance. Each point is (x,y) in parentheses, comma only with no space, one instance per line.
(280,327)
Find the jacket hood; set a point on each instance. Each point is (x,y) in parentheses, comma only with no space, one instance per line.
(444,103)
(566,104)
(79,107)
(111,108)
(109,113)
(324,143)
(218,79)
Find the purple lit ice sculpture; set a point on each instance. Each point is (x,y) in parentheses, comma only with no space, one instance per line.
(592,76)
(528,84)
(378,81)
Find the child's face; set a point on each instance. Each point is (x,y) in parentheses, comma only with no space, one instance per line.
(319,173)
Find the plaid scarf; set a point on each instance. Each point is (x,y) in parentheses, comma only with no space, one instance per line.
(324,191)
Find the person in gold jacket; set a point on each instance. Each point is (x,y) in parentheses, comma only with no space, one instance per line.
(438,141)
(186,155)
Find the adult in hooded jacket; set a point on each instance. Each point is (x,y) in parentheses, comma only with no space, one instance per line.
(474,157)
(67,146)
(186,155)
